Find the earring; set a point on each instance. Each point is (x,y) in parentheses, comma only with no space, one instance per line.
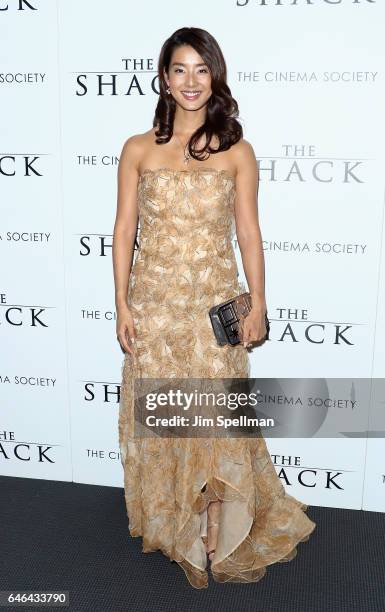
(168,90)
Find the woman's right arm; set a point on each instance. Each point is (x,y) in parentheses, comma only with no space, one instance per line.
(124,234)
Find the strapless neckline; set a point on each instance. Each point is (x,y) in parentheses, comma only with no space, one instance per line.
(191,170)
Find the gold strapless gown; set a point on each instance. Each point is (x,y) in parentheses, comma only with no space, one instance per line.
(185,265)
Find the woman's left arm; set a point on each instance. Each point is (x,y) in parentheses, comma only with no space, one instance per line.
(249,239)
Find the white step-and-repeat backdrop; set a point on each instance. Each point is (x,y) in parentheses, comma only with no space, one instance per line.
(78,78)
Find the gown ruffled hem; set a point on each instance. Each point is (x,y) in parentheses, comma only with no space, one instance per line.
(271,534)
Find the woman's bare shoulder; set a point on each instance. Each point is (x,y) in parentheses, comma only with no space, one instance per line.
(136,146)
(243,151)
(243,156)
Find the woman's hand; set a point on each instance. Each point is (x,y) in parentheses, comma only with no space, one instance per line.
(254,326)
(125,331)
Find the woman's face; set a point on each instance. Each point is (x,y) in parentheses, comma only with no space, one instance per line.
(189,78)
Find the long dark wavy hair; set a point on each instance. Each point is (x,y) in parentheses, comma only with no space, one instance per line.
(222,108)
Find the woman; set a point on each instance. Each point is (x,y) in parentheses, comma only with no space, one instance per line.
(191,180)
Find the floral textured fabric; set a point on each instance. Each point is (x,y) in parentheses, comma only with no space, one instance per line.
(186,264)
